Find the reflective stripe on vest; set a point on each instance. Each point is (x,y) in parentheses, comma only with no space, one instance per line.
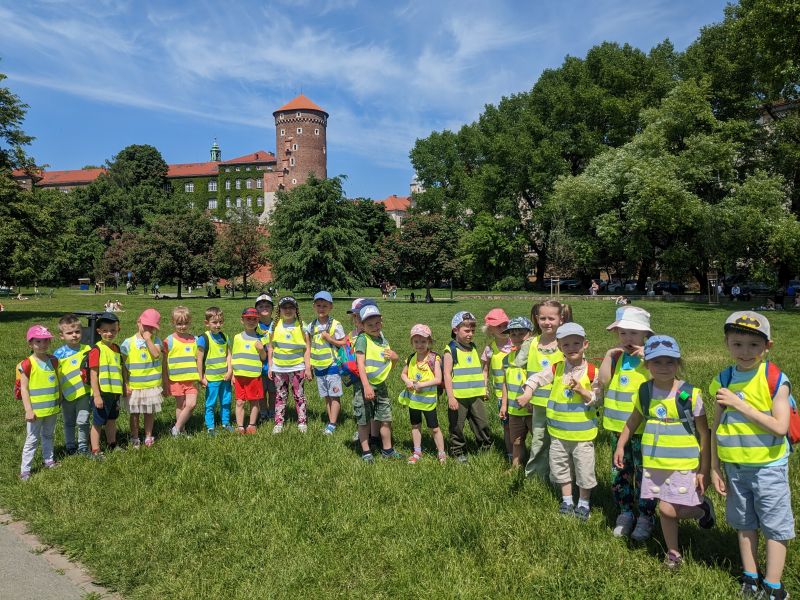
(322,352)
(622,393)
(425,398)
(69,375)
(109,372)
(376,367)
(144,372)
(496,372)
(182,360)
(288,345)
(739,440)
(538,361)
(244,356)
(43,388)
(467,374)
(515,378)
(568,417)
(666,444)
(216,359)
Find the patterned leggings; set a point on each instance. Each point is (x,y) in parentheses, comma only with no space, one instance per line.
(626,483)
(282,383)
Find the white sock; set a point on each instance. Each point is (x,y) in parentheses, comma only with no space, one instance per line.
(583,503)
(568,500)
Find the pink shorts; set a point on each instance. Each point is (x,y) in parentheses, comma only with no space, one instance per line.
(182,388)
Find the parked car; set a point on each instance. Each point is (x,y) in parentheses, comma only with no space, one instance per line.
(757,288)
(671,287)
(615,287)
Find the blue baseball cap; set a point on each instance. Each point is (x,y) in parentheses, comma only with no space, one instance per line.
(370,310)
(323,295)
(570,329)
(360,303)
(460,317)
(661,345)
(519,323)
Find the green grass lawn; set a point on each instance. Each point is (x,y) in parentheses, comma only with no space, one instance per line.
(295,515)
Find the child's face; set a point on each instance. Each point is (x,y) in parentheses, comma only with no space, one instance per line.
(746,349)
(372,325)
(71,333)
(464,333)
(182,326)
(249,323)
(663,368)
(107,331)
(420,343)
(631,339)
(322,307)
(288,311)
(264,309)
(549,319)
(573,347)
(215,323)
(150,328)
(39,346)
(517,336)
(496,331)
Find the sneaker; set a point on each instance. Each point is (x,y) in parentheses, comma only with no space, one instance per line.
(414,458)
(643,529)
(567,509)
(72,451)
(394,454)
(775,594)
(229,428)
(277,429)
(270,414)
(240,430)
(368,458)
(330,428)
(442,456)
(462,459)
(149,441)
(582,512)
(673,560)
(136,443)
(211,431)
(174,431)
(302,427)
(624,525)
(98,456)
(750,588)
(263,417)
(251,430)
(709,518)
(50,464)
(25,476)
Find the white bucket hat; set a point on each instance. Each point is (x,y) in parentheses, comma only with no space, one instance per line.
(631,317)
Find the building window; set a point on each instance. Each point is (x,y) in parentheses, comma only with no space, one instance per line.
(227,169)
(227,184)
(323,151)
(316,132)
(238,168)
(299,115)
(294,181)
(238,203)
(191,203)
(260,168)
(249,184)
(283,132)
(259,183)
(281,117)
(212,185)
(299,130)
(294,147)
(249,201)
(227,202)
(259,201)
(291,162)
(238,184)
(188,187)
(212,204)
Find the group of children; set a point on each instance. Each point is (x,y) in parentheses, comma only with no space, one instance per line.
(665,455)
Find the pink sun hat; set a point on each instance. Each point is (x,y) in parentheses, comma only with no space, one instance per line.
(151,318)
(39,332)
(421,330)
(496,316)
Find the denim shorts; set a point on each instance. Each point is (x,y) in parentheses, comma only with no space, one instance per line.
(759,498)
(329,385)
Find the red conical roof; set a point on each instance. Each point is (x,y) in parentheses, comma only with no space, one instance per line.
(300,103)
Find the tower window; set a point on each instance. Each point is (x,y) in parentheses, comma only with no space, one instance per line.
(212,185)
(291,162)
(238,184)
(238,168)
(227,169)
(280,117)
(294,181)
(299,115)
(294,147)
(188,187)
(247,168)
(316,132)
(299,130)
(259,183)
(227,184)
(238,203)
(283,132)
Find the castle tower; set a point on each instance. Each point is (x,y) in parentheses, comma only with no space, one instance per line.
(216,153)
(300,142)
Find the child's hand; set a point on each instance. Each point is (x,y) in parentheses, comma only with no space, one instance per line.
(619,457)
(128,391)
(204,381)
(637,351)
(369,393)
(98,402)
(615,352)
(452,403)
(523,401)
(327,337)
(270,375)
(410,385)
(259,346)
(307,374)
(727,398)
(30,416)
(229,376)
(146,335)
(502,413)
(719,482)
(700,483)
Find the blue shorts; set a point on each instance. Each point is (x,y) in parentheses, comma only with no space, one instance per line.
(759,498)
(109,412)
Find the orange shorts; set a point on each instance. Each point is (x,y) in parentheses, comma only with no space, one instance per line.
(248,389)
(182,388)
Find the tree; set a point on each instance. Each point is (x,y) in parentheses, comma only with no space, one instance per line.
(12,137)
(316,241)
(241,246)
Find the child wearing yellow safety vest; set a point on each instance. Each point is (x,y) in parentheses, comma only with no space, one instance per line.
(182,368)
(422,375)
(751,422)
(264,307)
(675,443)
(289,354)
(38,375)
(571,418)
(371,402)
(248,352)
(105,380)
(494,323)
(142,371)
(326,335)
(216,369)
(514,378)
(622,372)
(74,391)
(465,385)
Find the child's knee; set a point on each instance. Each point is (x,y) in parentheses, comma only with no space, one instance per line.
(667,509)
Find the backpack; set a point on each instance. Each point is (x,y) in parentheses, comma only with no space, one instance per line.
(432,356)
(683,402)
(773,379)
(18,380)
(454,350)
(346,361)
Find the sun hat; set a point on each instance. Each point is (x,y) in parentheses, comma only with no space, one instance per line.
(323,295)
(519,323)
(150,318)
(496,316)
(631,317)
(250,312)
(460,317)
(360,303)
(39,332)
(264,298)
(749,322)
(370,310)
(287,300)
(661,345)
(421,330)
(570,329)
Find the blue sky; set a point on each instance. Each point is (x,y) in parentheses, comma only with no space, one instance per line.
(101,74)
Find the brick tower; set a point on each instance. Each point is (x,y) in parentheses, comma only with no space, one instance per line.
(300,142)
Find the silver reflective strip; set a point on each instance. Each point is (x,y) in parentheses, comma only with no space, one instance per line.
(114,370)
(181,359)
(466,385)
(216,370)
(613,413)
(324,356)
(572,426)
(567,407)
(542,393)
(66,375)
(247,368)
(497,372)
(670,452)
(246,356)
(286,355)
(513,388)
(515,404)
(132,368)
(44,404)
(464,371)
(183,371)
(421,399)
(288,346)
(220,360)
(498,386)
(43,391)
(754,440)
(144,378)
(67,391)
(731,417)
(109,381)
(619,396)
(659,427)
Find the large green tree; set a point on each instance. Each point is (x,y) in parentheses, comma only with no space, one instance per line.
(12,138)
(241,246)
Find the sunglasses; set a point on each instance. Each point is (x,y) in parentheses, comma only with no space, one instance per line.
(657,343)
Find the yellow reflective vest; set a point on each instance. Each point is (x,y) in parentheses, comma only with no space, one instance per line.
(539,361)
(467,372)
(322,352)
(69,375)
(666,443)
(109,372)
(425,398)
(376,367)
(288,345)
(144,371)
(496,372)
(43,388)
(182,359)
(244,355)
(568,416)
(623,393)
(515,378)
(216,358)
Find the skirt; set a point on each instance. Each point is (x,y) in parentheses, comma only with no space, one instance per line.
(143,402)
(675,487)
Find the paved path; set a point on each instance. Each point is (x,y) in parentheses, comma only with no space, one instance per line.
(30,570)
